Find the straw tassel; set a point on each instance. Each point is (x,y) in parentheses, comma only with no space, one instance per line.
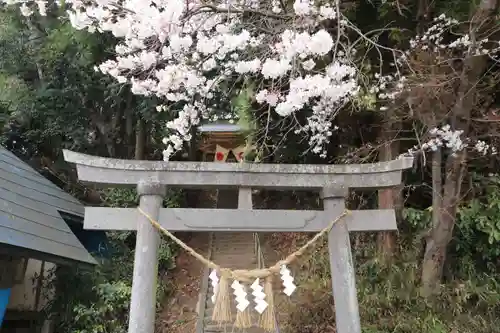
(267,320)
(243,319)
(222,307)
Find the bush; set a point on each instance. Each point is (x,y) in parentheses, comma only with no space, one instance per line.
(93,300)
(477,235)
(389,299)
(475,246)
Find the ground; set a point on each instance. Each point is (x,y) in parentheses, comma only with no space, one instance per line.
(179,310)
(278,246)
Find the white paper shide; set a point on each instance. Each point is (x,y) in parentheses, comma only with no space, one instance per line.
(241,296)
(287,278)
(259,296)
(214,281)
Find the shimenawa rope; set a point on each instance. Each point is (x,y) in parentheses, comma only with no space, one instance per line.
(222,308)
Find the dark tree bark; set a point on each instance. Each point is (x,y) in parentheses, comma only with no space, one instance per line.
(140,140)
(443,220)
(392,197)
(129,127)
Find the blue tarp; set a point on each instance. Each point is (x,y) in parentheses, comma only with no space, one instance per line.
(95,242)
(4,300)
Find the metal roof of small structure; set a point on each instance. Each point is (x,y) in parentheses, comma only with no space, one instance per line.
(30,222)
(219,127)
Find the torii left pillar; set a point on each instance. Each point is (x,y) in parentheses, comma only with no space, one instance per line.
(143,300)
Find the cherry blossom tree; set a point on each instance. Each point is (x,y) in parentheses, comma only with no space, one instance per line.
(190,54)
(442,84)
(195,56)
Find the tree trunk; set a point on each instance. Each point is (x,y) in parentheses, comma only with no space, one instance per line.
(444,217)
(140,140)
(437,187)
(388,198)
(129,127)
(433,257)
(36,41)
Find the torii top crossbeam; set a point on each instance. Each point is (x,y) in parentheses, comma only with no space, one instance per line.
(206,174)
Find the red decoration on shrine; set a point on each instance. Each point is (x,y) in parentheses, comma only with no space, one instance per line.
(240,156)
(219,156)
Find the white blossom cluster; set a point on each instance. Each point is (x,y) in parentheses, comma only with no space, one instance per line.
(181,51)
(436,38)
(442,42)
(483,148)
(446,137)
(28,8)
(439,39)
(388,87)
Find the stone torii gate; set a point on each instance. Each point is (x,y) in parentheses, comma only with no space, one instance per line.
(152,177)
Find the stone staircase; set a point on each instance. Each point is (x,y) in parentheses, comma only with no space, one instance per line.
(232,250)
(235,250)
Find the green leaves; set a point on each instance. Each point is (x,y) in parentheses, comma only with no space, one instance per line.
(475,246)
(479,223)
(417,219)
(242,105)
(15,93)
(101,316)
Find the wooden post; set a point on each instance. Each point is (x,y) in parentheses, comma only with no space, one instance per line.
(143,302)
(341,266)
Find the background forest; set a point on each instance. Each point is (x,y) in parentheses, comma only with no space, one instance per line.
(440,273)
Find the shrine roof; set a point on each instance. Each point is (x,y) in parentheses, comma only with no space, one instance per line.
(31,224)
(207,128)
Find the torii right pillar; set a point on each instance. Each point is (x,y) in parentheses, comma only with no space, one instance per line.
(341,264)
